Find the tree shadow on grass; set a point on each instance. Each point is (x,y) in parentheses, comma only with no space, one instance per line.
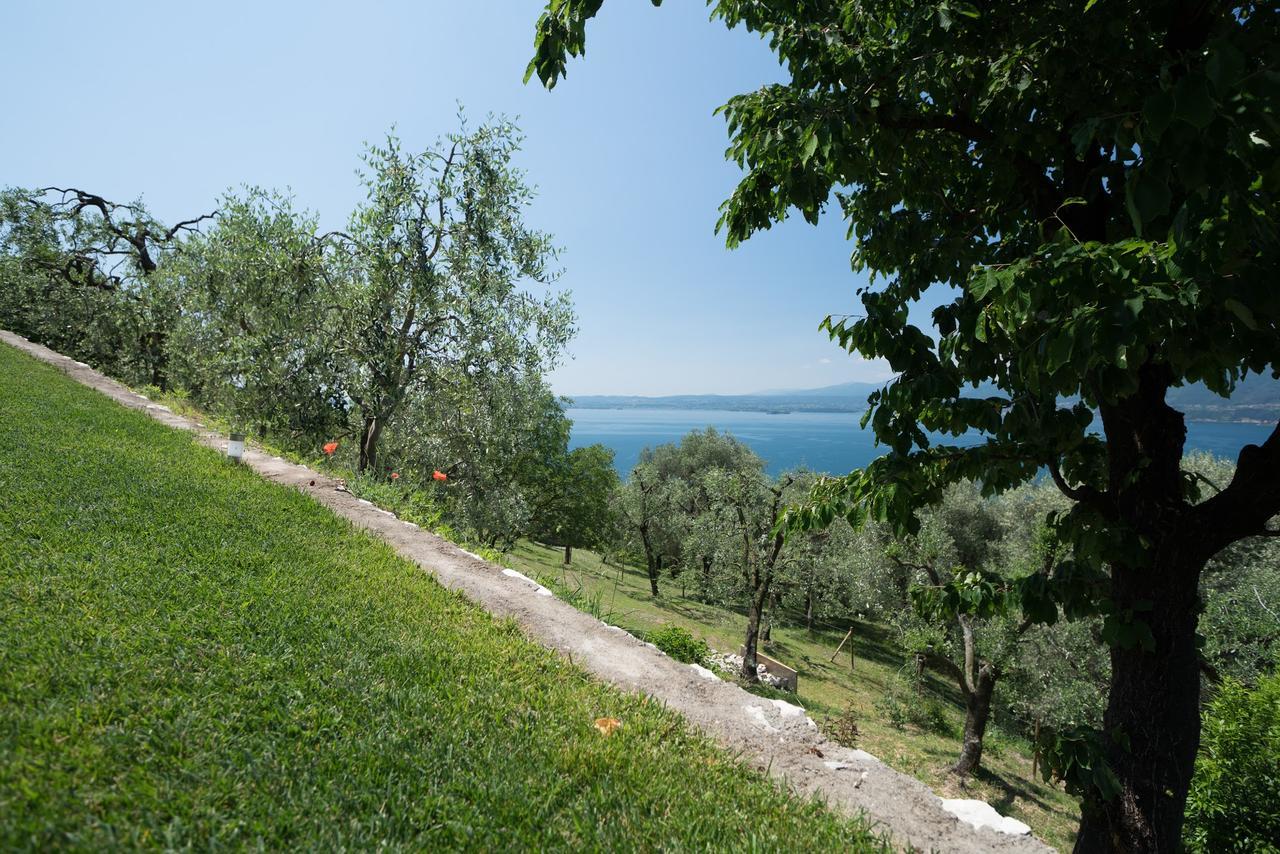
(1010,789)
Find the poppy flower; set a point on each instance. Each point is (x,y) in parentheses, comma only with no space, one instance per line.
(439,475)
(330,447)
(395,475)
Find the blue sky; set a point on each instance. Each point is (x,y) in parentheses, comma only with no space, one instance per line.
(177,102)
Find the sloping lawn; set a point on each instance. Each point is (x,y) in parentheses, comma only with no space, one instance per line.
(191,657)
(620,595)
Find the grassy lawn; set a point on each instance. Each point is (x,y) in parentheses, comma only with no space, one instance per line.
(191,657)
(620,595)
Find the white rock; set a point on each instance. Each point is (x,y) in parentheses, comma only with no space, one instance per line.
(704,672)
(787,710)
(758,714)
(542,591)
(982,814)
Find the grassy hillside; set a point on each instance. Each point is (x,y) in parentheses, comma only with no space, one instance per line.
(190,656)
(868,695)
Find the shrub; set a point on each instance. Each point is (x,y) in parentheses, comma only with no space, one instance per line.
(1234,803)
(901,704)
(679,643)
(843,728)
(894,710)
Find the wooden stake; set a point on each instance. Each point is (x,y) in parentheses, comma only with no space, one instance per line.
(848,634)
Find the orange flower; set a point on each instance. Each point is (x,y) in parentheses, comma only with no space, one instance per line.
(330,447)
(439,475)
(607,725)
(395,476)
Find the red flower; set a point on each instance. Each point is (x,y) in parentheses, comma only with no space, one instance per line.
(330,447)
(395,476)
(439,475)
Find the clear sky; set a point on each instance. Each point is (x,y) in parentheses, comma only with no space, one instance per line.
(176,102)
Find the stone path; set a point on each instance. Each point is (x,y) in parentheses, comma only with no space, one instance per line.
(773,735)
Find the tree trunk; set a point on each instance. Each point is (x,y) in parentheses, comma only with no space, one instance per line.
(755,610)
(1152,723)
(568,555)
(652,562)
(1154,708)
(369,435)
(977,710)
(808,610)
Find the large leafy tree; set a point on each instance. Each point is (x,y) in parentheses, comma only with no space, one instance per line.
(441,267)
(1095,181)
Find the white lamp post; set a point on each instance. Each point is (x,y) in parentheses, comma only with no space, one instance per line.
(235,447)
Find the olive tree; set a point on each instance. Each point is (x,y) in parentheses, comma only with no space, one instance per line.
(1096,183)
(78,274)
(572,508)
(438,275)
(258,314)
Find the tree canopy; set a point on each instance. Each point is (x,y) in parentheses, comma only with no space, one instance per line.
(1095,182)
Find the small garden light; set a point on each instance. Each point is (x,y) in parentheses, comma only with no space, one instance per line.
(235,447)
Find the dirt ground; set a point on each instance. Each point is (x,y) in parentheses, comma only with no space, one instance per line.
(775,736)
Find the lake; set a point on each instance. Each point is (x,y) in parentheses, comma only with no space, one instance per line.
(823,441)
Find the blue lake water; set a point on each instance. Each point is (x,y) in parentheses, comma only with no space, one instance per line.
(828,442)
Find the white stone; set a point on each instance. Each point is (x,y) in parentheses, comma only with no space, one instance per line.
(704,672)
(758,714)
(982,814)
(787,710)
(541,591)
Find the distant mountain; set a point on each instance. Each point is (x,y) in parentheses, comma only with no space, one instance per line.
(1255,399)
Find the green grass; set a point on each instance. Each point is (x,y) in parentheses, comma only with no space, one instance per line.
(620,595)
(192,657)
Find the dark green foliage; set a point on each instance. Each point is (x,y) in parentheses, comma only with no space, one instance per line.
(1235,795)
(679,643)
(1098,184)
(574,500)
(191,657)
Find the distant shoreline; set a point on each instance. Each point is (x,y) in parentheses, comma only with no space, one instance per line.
(1191,415)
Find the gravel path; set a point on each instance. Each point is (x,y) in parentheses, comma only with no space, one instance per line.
(775,736)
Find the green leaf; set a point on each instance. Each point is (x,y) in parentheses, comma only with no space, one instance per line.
(1193,102)
(1241,311)
(1146,197)
(1158,113)
(810,146)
